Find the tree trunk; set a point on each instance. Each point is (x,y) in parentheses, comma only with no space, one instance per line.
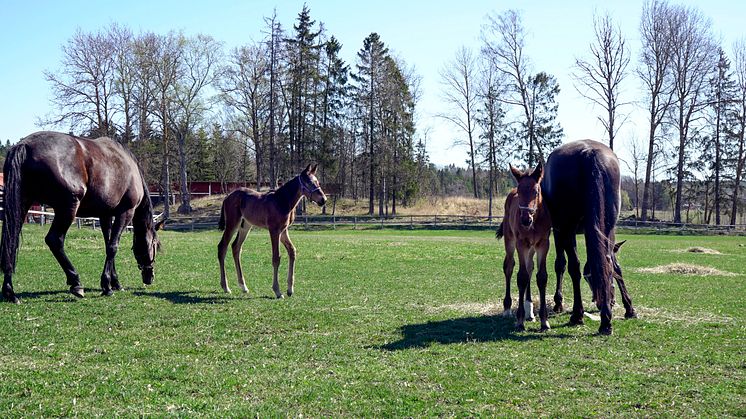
(648,173)
(185,207)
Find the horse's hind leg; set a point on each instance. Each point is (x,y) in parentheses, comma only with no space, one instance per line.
(285,239)
(236,247)
(560,263)
(231,226)
(55,239)
(13,241)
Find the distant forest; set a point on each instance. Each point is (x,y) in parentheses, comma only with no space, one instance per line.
(190,110)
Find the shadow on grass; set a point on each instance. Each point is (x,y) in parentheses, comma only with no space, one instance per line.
(184,297)
(61,296)
(466,329)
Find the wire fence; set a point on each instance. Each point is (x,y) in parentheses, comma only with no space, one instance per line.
(412,222)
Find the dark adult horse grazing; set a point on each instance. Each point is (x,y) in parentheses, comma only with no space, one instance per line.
(526,227)
(581,190)
(77,177)
(275,211)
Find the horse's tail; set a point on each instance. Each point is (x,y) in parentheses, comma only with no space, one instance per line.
(13,208)
(600,219)
(499,232)
(221,222)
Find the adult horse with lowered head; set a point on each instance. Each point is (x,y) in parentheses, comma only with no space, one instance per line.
(273,210)
(77,177)
(581,190)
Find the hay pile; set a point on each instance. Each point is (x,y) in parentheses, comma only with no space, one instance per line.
(685,269)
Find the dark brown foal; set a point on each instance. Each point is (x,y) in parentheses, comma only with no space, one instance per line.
(273,210)
(526,227)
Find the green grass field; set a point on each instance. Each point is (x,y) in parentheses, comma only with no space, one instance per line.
(383,323)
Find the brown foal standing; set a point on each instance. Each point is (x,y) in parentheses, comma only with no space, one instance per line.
(273,210)
(526,227)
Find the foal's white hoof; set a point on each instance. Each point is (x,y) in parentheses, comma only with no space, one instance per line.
(528,307)
(245,289)
(227,290)
(507,313)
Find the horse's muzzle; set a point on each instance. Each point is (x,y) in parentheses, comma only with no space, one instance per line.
(147,276)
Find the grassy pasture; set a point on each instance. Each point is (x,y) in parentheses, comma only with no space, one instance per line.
(383,323)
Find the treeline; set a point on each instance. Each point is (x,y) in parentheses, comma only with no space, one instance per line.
(258,113)
(693,93)
(192,111)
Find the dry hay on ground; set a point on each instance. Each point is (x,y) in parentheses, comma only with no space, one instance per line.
(684,269)
(703,250)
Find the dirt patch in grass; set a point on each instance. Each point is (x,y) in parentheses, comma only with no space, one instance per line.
(658,315)
(685,269)
(470,308)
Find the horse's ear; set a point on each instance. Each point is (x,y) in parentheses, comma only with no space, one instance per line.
(538,173)
(516,173)
(617,246)
(313,169)
(307,169)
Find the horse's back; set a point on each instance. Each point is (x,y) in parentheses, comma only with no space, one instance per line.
(101,174)
(574,172)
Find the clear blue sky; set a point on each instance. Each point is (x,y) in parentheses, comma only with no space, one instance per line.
(425,34)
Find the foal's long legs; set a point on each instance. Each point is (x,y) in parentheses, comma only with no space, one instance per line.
(55,239)
(274,237)
(285,239)
(524,276)
(231,226)
(508,266)
(236,250)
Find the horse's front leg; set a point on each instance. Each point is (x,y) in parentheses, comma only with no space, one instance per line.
(285,238)
(541,281)
(524,276)
(109,277)
(55,240)
(508,266)
(274,236)
(529,301)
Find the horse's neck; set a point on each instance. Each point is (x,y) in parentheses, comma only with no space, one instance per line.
(288,195)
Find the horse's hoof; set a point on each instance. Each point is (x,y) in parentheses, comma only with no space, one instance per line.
(544,328)
(520,328)
(290,293)
(12,299)
(558,308)
(107,293)
(507,313)
(630,315)
(605,330)
(279,296)
(116,287)
(77,291)
(576,320)
(227,290)
(244,290)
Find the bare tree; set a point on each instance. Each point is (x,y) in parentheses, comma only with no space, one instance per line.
(200,58)
(599,78)
(125,78)
(83,87)
(739,114)
(693,58)
(164,63)
(459,82)
(244,88)
(638,157)
(655,58)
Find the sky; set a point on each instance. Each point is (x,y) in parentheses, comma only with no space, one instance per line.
(424,34)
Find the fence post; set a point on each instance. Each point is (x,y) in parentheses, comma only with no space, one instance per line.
(354,222)
(436,220)
(305,220)
(411,222)
(78,219)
